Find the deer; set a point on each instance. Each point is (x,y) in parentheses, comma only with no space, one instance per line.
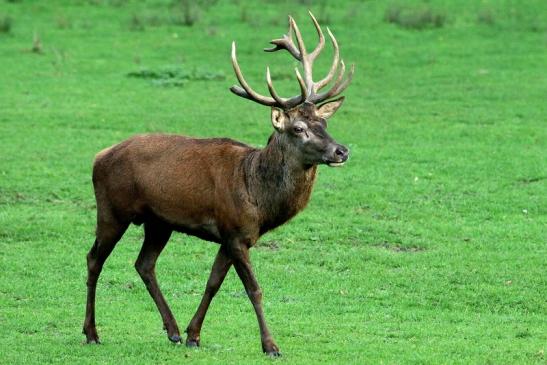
(218,189)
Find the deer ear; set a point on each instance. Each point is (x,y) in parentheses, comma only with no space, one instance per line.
(279,119)
(328,109)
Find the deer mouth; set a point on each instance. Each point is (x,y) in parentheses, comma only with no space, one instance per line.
(336,161)
(336,164)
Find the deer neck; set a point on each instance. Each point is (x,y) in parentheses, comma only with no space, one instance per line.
(278,183)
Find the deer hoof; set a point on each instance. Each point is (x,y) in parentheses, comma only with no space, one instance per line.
(271,349)
(192,343)
(273,353)
(91,336)
(175,339)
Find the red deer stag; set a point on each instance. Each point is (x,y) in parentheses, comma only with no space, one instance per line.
(218,189)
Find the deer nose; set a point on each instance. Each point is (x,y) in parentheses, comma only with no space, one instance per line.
(341,152)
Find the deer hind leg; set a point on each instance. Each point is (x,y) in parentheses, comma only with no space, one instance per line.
(156,235)
(109,232)
(218,272)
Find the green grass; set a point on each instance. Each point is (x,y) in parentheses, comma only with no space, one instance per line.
(429,246)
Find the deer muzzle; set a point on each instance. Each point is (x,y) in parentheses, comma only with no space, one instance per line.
(338,156)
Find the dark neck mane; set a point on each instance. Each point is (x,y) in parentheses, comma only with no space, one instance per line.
(278,183)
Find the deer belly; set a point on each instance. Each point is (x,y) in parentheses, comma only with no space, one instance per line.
(205,231)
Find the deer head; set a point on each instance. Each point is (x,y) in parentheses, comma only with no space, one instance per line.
(300,121)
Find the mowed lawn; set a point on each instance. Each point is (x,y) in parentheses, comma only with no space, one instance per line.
(428,246)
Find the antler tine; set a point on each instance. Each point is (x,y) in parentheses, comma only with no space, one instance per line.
(346,82)
(282,102)
(247,91)
(321,43)
(306,64)
(285,42)
(303,89)
(319,85)
(334,90)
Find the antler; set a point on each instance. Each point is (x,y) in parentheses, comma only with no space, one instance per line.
(308,88)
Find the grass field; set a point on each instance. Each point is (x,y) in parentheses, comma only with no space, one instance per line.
(429,246)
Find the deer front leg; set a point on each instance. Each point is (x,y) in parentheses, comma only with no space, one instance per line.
(218,272)
(240,256)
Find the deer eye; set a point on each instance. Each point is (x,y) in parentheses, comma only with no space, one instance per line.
(298,130)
